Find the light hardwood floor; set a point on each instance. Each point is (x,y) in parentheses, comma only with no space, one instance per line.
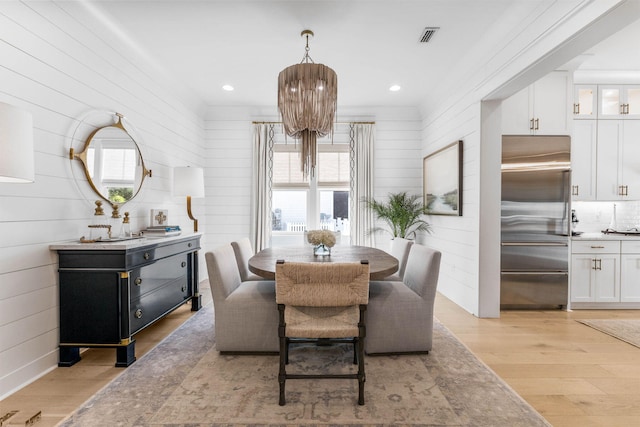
(570,373)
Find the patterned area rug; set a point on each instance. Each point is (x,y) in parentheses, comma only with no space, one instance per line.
(184,381)
(627,330)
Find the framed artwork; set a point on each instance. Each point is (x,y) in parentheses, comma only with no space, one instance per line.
(442,180)
(159,217)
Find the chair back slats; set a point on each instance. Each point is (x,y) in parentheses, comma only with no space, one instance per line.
(322,284)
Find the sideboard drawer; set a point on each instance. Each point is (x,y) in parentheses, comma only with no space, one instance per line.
(153,276)
(153,305)
(153,253)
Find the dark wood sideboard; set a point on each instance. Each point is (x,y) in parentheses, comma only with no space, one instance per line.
(111,291)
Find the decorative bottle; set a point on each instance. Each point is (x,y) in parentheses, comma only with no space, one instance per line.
(99,227)
(125,231)
(613,225)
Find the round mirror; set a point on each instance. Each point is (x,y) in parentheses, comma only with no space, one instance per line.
(112,163)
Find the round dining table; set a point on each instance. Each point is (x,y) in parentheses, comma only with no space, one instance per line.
(381,264)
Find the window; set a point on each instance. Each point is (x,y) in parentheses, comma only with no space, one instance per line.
(300,203)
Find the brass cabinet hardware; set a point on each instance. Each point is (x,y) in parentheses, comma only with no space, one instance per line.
(138,313)
(138,281)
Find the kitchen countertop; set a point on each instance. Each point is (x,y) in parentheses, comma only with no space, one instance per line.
(602,236)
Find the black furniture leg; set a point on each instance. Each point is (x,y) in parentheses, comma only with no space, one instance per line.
(362,332)
(69,356)
(284,355)
(126,355)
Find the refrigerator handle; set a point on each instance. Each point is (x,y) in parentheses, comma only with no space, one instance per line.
(566,196)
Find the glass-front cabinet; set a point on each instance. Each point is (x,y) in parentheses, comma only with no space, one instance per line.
(619,101)
(585,101)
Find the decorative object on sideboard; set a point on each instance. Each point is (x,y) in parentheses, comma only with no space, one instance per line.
(111,160)
(16,145)
(307,100)
(189,182)
(100,229)
(162,231)
(125,231)
(159,217)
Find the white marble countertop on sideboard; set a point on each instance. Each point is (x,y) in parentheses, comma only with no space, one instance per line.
(602,236)
(119,245)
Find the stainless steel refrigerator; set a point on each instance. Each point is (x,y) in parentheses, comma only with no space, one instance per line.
(535,221)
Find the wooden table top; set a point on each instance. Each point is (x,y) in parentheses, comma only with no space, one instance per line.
(381,264)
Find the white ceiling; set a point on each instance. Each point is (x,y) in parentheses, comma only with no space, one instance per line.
(371,44)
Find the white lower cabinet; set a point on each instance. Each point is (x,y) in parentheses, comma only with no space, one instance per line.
(595,278)
(630,272)
(605,274)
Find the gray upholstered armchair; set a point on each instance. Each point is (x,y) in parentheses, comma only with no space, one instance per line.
(400,314)
(400,248)
(246,314)
(243,250)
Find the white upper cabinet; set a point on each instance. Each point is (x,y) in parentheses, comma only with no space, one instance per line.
(584,159)
(619,101)
(540,109)
(585,101)
(618,157)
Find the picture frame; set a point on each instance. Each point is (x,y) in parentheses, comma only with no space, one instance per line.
(159,217)
(442,180)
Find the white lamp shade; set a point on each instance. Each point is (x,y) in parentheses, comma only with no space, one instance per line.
(16,145)
(188,181)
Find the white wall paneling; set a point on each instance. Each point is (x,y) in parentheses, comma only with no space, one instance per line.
(59,67)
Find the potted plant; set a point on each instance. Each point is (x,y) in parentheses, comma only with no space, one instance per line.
(402,213)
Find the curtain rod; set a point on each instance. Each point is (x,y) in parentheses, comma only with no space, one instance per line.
(337,123)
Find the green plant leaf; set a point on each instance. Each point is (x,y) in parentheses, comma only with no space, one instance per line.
(402,213)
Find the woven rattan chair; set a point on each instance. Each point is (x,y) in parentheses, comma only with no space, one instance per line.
(322,302)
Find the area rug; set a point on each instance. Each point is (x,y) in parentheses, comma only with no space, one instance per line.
(627,330)
(184,381)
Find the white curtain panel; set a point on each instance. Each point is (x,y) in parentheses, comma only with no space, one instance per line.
(362,220)
(261,187)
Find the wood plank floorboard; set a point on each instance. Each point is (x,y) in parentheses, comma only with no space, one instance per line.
(570,373)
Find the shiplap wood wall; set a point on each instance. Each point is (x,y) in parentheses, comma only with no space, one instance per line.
(229,137)
(55,67)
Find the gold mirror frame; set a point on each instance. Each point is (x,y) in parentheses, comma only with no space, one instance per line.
(82,157)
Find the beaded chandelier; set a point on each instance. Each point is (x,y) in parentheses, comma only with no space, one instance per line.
(307,100)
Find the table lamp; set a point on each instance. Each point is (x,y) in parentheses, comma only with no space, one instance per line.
(16,145)
(188,181)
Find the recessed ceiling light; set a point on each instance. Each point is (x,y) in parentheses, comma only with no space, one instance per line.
(395,88)
(228,88)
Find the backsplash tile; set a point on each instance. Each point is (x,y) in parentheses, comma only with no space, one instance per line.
(597,216)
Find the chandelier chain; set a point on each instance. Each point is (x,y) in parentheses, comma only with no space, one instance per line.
(306,59)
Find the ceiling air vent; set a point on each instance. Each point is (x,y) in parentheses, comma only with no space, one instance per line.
(428,33)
